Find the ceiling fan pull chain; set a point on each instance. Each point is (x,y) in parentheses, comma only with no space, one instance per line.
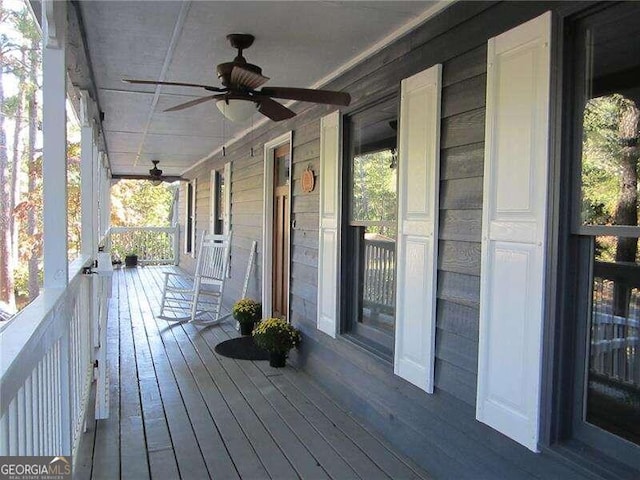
(252,134)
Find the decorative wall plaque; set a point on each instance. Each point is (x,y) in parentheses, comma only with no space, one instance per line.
(308,180)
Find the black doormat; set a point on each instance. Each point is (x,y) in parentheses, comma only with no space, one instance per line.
(241,348)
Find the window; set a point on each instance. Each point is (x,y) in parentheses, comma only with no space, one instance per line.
(190,220)
(217,202)
(370,227)
(606,231)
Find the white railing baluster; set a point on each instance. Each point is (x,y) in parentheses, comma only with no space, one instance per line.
(153,245)
(45,383)
(40,400)
(13,427)
(35,413)
(22,422)
(4,435)
(48,416)
(28,417)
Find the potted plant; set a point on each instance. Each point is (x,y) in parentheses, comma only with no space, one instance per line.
(131,260)
(247,312)
(277,337)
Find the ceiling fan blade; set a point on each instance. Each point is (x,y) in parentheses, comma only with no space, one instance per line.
(308,95)
(247,78)
(191,103)
(141,176)
(274,110)
(178,84)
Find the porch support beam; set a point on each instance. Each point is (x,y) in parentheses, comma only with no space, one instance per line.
(54,127)
(87,164)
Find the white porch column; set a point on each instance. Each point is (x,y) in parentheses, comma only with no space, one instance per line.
(89,243)
(54,128)
(95,192)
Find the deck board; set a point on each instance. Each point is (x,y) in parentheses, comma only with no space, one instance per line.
(179,410)
(106,450)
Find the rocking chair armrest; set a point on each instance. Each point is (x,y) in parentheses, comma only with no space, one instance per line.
(177,274)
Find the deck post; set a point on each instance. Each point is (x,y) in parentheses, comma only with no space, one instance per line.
(54,127)
(87,164)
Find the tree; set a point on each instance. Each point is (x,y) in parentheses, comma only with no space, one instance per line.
(610,177)
(6,209)
(138,203)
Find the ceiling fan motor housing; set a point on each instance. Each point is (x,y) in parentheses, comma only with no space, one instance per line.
(224,70)
(239,41)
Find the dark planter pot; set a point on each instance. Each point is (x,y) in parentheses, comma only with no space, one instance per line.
(131,260)
(246,328)
(277,359)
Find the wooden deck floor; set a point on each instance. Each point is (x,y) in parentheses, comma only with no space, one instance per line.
(179,410)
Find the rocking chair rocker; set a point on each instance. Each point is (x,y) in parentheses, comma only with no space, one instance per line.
(198,299)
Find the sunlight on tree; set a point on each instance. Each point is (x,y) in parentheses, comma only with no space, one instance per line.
(610,156)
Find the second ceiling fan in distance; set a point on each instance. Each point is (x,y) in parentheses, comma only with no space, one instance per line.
(240,81)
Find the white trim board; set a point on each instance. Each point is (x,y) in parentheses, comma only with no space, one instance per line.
(267,221)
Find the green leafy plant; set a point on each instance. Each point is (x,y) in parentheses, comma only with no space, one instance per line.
(276,335)
(247,310)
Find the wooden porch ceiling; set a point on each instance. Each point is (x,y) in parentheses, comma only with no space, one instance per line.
(179,410)
(298,44)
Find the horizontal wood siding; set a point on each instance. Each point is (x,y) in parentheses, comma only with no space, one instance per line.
(438,431)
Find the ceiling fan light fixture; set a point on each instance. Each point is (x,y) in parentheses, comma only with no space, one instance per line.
(237,110)
(155,173)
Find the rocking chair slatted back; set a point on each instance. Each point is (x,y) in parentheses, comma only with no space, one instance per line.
(213,257)
(198,298)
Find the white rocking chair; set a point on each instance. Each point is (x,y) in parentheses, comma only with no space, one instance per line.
(199,298)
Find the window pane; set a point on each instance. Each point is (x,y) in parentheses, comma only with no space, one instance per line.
(370,237)
(74,212)
(282,161)
(613,387)
(611,121)
(374,187)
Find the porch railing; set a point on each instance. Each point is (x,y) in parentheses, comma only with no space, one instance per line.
(47,369)
(615,328)
(152,245)
(380,276)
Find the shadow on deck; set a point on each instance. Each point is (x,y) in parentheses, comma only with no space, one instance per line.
(179,410)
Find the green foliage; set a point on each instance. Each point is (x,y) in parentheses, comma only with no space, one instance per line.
(74,212)
(138,203)
(145,244)
(601,153)
(276,335)
(374,190)
(247,310)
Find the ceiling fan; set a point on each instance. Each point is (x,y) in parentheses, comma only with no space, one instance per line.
(155,175)
(238,98)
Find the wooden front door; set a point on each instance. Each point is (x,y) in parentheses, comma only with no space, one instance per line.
(280,295)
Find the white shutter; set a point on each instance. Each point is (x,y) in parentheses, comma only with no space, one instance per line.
(417,251)
(329,241)
(513,231)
